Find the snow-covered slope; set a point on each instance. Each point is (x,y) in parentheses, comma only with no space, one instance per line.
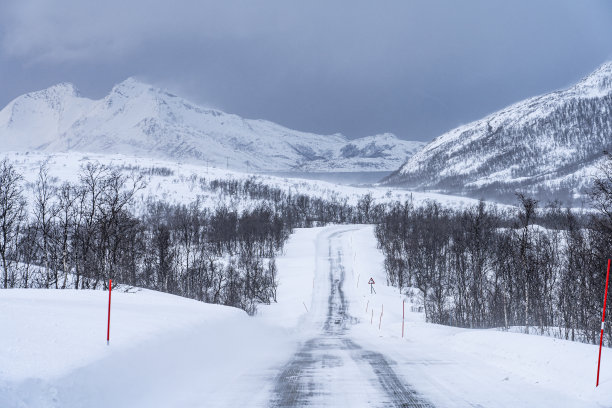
(138,119)
(184,183)
(37,118)
(548,143)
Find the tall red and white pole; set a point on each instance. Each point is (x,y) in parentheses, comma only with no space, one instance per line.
(110,288)
(603,319)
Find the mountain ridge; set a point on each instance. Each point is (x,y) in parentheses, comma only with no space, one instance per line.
(139,119)
(547,145)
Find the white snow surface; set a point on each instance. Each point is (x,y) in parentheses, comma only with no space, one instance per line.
(167,351)
(138,119)
(183,186)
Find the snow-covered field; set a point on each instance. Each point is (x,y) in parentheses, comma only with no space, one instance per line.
(167,351)
(183,184)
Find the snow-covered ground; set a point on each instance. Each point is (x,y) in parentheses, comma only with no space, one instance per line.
(182,185)
(455,367)
(168,351)
(165,351)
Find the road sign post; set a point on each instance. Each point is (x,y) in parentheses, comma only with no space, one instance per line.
(603,319)
(371,283)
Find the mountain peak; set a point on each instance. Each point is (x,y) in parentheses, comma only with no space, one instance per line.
(55,92)
(65,88)
(604,69)
(141,119)
(546,146)
(597,82)
(131,87)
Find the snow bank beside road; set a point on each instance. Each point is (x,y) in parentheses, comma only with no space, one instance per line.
(566,367)
(47,333)
(165,350)
(462,367)
(296,270)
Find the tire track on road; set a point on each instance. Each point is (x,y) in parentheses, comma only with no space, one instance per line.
(332,369)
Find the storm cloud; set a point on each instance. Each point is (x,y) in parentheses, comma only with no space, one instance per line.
(414,68)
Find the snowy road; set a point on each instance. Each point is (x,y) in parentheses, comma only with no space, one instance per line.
(168,351)
(332,369)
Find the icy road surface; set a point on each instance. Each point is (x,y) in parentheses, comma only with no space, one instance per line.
(332,370)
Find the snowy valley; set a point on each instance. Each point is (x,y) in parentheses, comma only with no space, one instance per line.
(318,335)
(155,252)
(170,351)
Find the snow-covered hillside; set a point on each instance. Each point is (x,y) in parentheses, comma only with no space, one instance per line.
(181,183)
(136,118)
(548,144)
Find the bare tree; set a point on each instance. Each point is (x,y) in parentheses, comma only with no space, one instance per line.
(44,213)
(65,214)
(526,215)
(12,213)
(118,191)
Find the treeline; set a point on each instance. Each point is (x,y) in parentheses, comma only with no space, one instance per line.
(79,229)
(80,235)
(539,268)
(83,234)
(222,256)
(301,210)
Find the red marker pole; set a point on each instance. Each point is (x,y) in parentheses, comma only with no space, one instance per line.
(110,287)
(403,313)
(603,318)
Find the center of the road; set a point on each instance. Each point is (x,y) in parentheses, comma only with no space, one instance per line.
(332,369)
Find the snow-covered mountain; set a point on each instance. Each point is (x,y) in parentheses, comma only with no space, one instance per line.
(138,119)
(549,146)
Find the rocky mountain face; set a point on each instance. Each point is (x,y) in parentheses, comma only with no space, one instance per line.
(548,146)
(138,119)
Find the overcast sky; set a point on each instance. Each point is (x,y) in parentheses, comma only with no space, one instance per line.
(414,68)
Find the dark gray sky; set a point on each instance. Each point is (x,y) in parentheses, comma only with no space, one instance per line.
(414,68)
